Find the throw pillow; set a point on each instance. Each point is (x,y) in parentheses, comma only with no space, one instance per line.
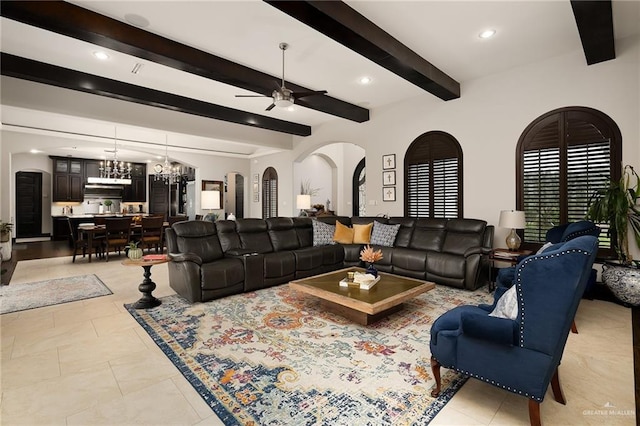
(544,247)
(384,235)
(343,234)
(322,233)
(507,305)
(362,233)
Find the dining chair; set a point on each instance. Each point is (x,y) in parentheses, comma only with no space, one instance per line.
(78,240)
(151,236)
(118,234)
(175,219)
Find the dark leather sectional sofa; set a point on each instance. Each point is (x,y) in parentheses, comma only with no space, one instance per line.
(212,260)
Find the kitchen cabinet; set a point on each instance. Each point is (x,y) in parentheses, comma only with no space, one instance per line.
(68,179)
(91,169)
(60,228)
(137,191)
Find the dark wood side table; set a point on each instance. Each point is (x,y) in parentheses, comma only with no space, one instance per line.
(147,286)
(504,255)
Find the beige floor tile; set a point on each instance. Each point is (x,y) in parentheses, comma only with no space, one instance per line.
(114,323)
(212,420)
(194,398)
(30,369)
(450,416)
(478,400)
(43,340)
(54,399)
(83,354)
(142,369)
(159,404)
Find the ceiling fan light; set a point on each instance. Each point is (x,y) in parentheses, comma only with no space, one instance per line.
(487,33)
(283,103)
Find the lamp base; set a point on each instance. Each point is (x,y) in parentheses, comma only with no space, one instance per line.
(513,240)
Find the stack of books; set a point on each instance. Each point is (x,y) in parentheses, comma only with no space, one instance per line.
(363,281)
(509,255)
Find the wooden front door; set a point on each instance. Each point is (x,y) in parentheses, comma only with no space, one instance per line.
(28,204)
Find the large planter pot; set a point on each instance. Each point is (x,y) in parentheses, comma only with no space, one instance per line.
(5,236)
(623,281)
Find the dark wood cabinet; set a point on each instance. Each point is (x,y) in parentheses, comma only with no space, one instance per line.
(137,191)
(68,179)
(60,228)
(91,169)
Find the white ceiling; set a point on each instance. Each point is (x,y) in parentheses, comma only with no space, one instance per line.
(248,32)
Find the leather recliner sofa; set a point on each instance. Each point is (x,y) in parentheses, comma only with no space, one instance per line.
(277,250)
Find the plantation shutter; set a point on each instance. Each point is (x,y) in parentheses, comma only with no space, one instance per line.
(433,177)
(566,156)
(269,193)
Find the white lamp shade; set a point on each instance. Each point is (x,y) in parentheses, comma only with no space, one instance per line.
(303,201)
(513,219)
(210,200)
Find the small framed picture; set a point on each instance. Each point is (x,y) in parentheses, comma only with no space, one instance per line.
(388,161)
(256,197)
(389,178)
(389,193)
(256,178)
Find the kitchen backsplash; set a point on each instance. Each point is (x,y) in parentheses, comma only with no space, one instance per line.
(93,207)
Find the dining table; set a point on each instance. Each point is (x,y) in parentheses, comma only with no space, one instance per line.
(91,231)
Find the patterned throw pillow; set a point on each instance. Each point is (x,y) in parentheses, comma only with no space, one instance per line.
(322,233)
(384,235)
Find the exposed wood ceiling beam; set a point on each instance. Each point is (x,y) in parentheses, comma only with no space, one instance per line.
(337,20)
(595,25)
(73,21)
(27,69)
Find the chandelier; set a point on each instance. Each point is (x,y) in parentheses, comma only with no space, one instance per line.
(165,171)
(114,169)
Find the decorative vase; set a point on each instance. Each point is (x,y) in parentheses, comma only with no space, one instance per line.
(4,236)
(135,253)
(623,281)
(371,270)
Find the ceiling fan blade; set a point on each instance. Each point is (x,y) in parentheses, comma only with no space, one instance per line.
(299,95)
(252,96)
(270,107)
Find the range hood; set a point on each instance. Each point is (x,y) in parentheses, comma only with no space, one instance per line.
(109,181)
(102,191)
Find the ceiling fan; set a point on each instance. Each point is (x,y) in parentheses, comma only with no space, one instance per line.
(282,96)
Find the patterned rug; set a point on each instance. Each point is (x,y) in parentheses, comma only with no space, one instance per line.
(276,357)
(19,297)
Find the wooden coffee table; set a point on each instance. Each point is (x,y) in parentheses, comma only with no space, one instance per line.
(362,306)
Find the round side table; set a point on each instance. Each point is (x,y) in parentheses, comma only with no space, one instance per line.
(147,286)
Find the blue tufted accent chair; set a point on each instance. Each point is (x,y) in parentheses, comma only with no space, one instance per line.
(521,355)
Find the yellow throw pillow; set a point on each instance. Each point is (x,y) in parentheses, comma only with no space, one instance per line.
(343,234)
(362,233)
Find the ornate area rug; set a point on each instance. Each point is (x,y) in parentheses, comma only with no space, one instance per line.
(19,297)
(274,357)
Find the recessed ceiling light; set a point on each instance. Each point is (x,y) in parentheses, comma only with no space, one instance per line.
(137,20)
(365,80)
(101,55)
(34,151)
(487,34)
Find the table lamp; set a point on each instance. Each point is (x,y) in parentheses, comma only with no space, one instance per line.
(210,200)
(303,202)
(513,219)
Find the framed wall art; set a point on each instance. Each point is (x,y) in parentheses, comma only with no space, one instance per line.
(388,161)
(389,178)
(389,193)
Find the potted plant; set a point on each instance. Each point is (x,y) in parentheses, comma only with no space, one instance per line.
(108,204)
(5,231)
(617,206)
(134,252)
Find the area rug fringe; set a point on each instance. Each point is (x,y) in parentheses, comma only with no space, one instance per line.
(275,357)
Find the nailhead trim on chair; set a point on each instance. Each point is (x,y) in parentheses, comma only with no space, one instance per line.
(576,234)
(493,382)
(519,282)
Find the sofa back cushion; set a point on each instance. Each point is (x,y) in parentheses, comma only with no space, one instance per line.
(282,234)
(198,237)
(253,235)
(463,234)
(405,232)
(229,238)
(331,220)
(304,231)
(428,234)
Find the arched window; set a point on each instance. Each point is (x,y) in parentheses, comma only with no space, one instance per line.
(269,193)
(433,176)
(359,189)
(563,157)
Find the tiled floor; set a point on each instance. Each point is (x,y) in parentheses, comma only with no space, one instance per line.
(88,362)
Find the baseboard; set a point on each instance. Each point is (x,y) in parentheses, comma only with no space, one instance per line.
(32,239)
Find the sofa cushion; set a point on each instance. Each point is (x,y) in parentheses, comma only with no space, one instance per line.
(343,234)
(229,238)
(384,235)
(282,234)
(463,234)
(221,274)
(428,234)
(198,237)
(308,258)
(322,233)
(362,233)
(304,231)
(281,264)
(406,230)
(253,235)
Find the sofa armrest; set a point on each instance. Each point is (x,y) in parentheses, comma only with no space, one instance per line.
(482,326)
(476,250)
(186,257)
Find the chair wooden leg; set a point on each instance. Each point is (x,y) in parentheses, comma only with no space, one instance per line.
(534,413)
(574,329)
(557,389)
(435,369)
